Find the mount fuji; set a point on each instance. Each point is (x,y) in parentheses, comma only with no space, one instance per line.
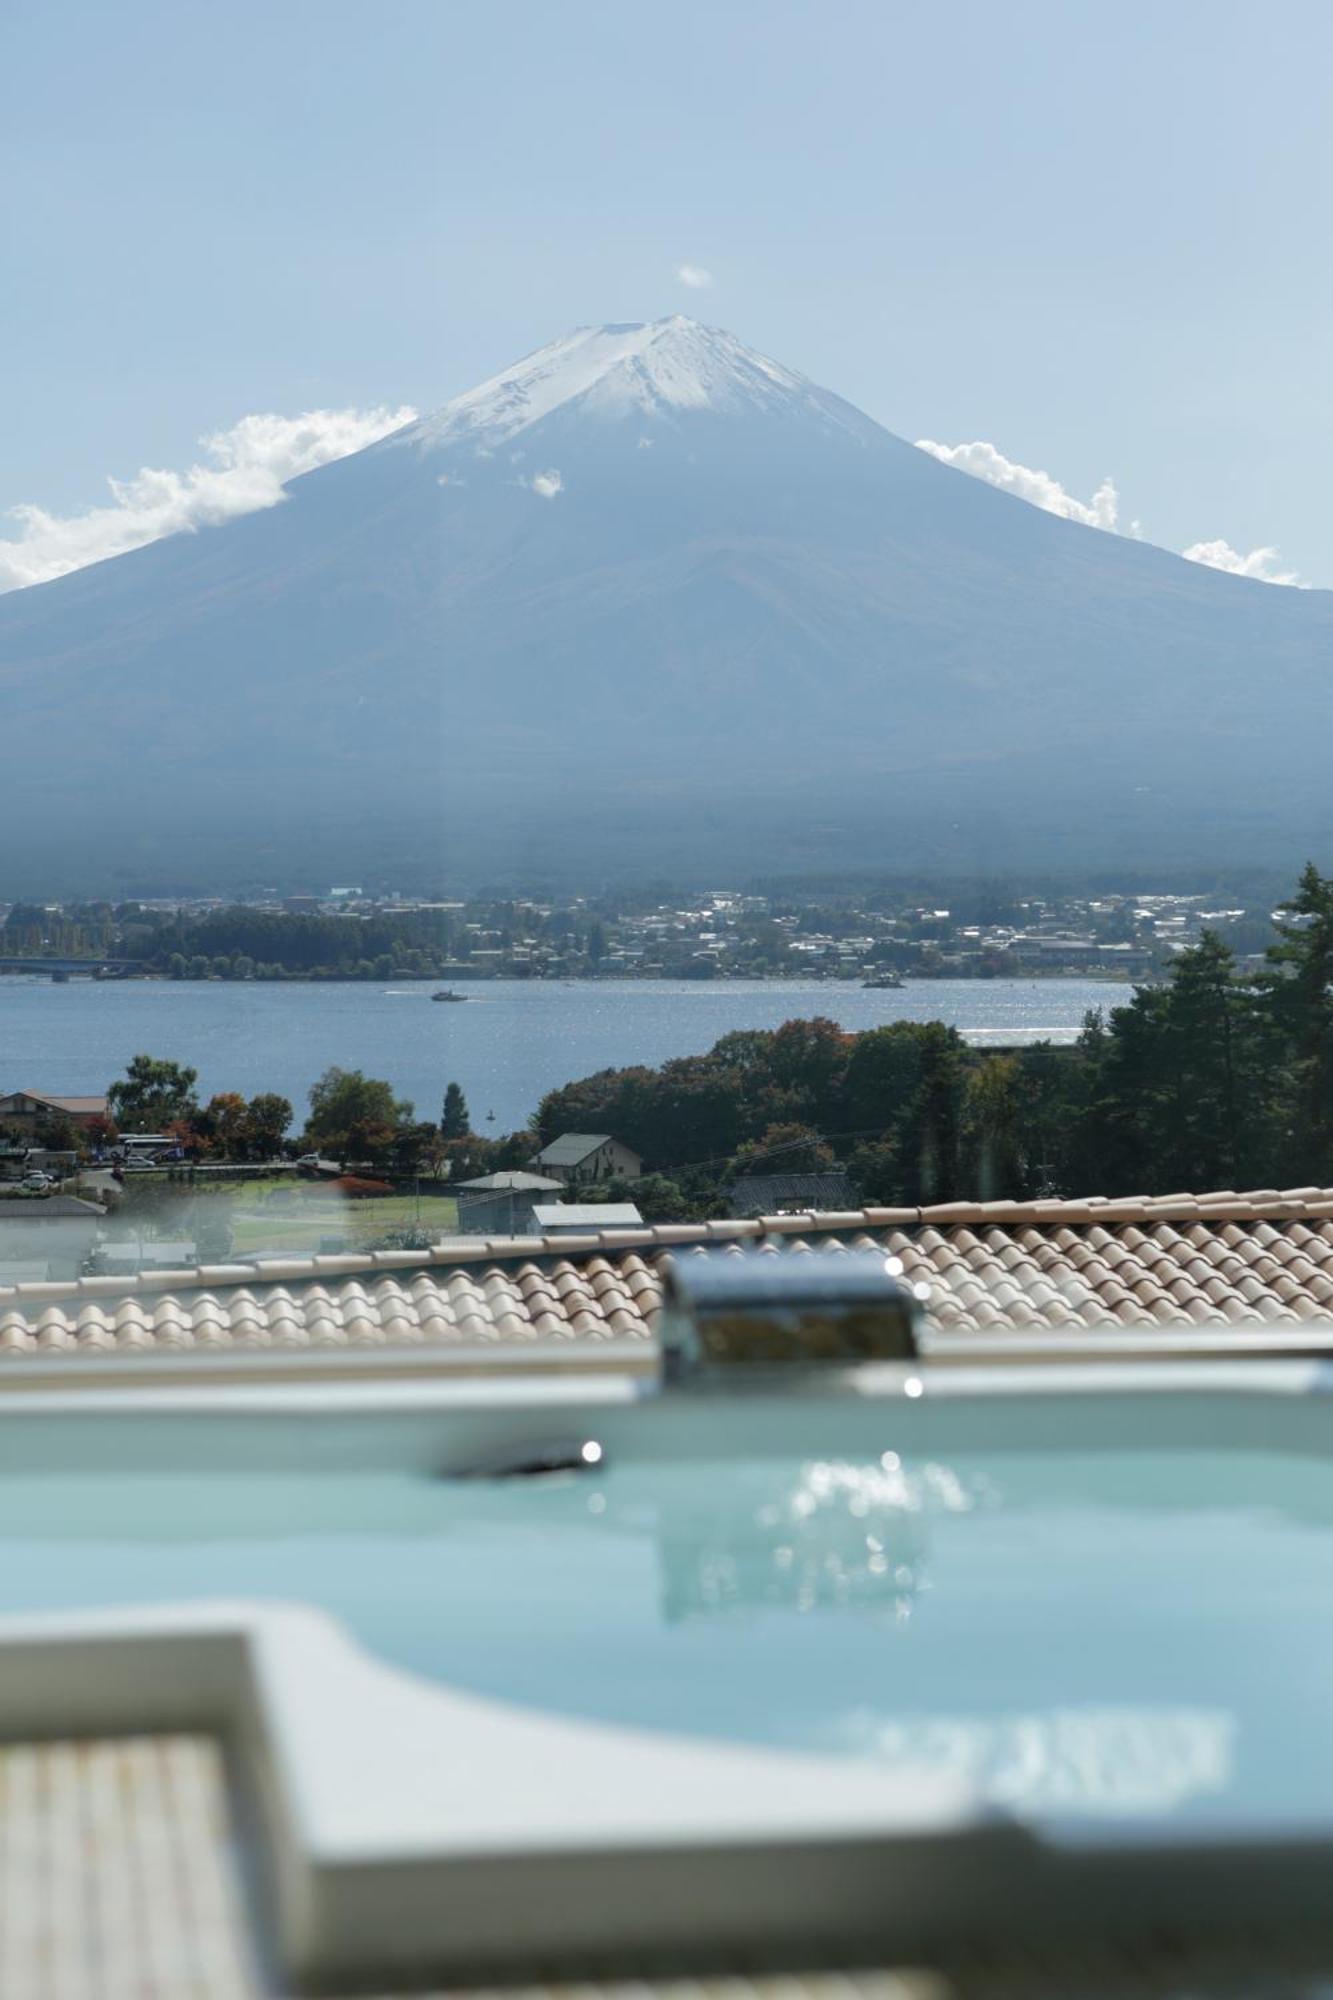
(650,603)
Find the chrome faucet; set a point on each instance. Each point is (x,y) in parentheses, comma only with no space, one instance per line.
(724,1309)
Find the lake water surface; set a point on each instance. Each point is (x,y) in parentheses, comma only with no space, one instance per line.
(509,1042)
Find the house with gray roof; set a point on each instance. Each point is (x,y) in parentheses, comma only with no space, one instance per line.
(501,1204)
(588,1156)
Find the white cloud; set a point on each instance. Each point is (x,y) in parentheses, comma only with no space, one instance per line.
(1262,564)
(548,484)
(983,461)
(695,276)
(246,470)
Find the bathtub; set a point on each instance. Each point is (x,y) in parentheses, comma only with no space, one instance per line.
(776,1669)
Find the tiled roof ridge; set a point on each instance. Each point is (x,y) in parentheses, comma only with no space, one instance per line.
(1222,1206)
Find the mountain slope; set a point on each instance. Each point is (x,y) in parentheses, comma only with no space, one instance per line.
(650,600)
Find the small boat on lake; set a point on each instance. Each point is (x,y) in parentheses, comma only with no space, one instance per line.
(447,993)
(880,980)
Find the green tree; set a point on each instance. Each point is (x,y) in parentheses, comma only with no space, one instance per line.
(876,1172)
(454,1120)
(354,1116)
(785,1149)
(227,1126)
(267,1118)
(57,1131)
(1114,1147)
(936,1113)
(417,1150)
(468,1159)
(1299,1002)
(1214,1110)
(902,1092)
(1051,1080)
(1176,1090)
(154,1093)
(657,1198)
(994,1117)
(808,1059)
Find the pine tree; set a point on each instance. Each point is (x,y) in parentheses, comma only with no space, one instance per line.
(454,1120)
(1299,996)
(1213,1107)
(1177,1088)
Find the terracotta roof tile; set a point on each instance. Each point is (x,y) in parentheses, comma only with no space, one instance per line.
(1177,1259)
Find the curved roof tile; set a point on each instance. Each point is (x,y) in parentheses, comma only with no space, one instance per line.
(1168,1260)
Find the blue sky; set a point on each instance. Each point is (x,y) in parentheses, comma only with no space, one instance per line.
(1094,237)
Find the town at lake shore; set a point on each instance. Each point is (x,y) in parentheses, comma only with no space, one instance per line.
(983,930)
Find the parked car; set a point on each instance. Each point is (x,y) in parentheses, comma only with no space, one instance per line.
(38,1183)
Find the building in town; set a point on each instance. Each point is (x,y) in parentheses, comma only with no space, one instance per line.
(25,1110)
(501,1204)
(588,1156)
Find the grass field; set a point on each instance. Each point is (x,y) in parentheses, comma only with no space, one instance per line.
(314,1214)
(302,1215)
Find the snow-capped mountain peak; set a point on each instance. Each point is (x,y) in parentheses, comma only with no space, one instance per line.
(527,649)
(654,370)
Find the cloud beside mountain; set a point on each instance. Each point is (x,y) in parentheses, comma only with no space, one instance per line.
(246,469)
(985,461)
(1263,564)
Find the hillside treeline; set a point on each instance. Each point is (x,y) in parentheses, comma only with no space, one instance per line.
(1210,1080)
(245,943)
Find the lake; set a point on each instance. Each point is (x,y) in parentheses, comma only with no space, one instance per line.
(507,1044)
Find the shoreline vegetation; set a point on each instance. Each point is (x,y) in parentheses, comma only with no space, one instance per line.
(1218,1077)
